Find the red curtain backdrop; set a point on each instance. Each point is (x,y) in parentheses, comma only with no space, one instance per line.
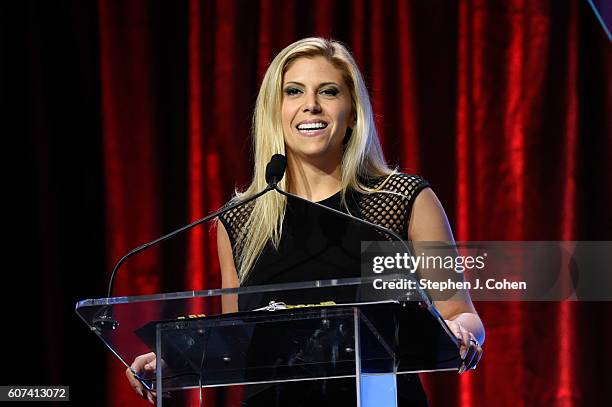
(503,106)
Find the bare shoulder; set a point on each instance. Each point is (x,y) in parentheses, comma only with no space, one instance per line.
(428,221)
(229,275)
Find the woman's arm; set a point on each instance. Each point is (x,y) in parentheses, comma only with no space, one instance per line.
(428,223)
(229,275)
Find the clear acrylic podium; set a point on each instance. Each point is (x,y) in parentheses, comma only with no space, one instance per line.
(284,332)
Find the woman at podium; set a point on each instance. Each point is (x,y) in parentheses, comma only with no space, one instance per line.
(314,108)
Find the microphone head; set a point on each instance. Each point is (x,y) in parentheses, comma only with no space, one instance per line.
(276,169)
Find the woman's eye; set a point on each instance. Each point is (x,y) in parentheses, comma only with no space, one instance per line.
(291,91)
(330,92)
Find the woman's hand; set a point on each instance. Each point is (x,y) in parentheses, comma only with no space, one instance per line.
(469,348)
(142,365)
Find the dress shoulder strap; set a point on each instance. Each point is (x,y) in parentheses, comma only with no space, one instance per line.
(235,223)
(391,204)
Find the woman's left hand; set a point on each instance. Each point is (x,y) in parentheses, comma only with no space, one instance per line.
(469,347)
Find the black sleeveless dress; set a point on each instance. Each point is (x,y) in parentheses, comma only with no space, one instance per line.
(319,245)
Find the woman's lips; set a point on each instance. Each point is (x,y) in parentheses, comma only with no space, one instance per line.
(311,128)
(311,133)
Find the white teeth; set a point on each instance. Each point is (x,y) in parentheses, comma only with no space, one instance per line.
(312,126)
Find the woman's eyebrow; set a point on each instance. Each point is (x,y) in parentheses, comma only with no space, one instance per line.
(319,86)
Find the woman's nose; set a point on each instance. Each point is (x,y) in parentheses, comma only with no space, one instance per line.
(311,104)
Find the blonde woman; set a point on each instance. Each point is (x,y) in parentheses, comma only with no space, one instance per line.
(313,107)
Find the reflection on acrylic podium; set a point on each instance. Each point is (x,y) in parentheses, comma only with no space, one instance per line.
(301,331)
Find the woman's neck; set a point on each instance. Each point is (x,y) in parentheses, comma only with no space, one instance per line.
(314,181)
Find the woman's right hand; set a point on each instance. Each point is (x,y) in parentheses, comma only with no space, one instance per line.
(143,365)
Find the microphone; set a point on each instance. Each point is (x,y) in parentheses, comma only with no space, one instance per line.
(275,170)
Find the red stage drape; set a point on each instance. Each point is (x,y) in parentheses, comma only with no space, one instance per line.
(501,105)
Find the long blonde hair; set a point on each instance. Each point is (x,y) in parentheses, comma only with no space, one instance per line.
(362,159)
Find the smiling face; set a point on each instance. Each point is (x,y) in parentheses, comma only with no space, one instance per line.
(316,109)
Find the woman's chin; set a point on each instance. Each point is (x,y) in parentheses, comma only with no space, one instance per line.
(315,153)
